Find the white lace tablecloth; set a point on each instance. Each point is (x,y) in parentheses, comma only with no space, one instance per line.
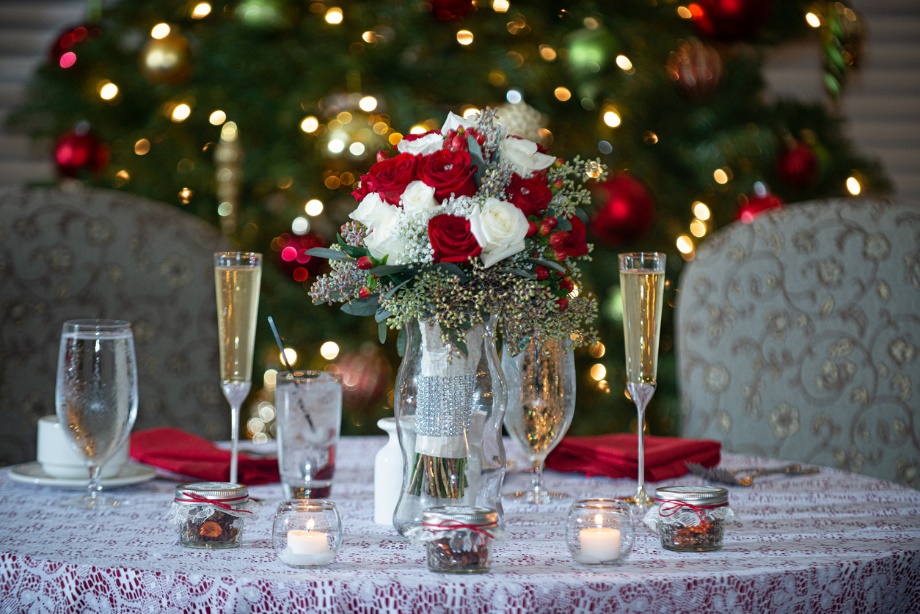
(828,542)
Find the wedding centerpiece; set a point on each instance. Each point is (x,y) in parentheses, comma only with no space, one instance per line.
(466,233)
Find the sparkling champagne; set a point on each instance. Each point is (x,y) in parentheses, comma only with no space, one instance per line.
(537,425)
(541,396)
(237,307)
(642,293)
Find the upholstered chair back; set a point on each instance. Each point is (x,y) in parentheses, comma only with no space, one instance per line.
(798,337)
(90,253)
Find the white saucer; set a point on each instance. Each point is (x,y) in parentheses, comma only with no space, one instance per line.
(32,473)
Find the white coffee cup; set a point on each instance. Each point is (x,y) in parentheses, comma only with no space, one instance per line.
(58,458)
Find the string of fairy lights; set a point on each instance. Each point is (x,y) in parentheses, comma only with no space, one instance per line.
(357,143)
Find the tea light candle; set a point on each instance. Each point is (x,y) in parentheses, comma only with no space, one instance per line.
(306,548)
(598,544)
(599,531)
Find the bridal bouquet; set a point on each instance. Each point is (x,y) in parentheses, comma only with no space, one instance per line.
(463,223)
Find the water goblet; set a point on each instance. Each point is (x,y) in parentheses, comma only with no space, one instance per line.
(541,403)
(96,396)
(237,278)
(642,290)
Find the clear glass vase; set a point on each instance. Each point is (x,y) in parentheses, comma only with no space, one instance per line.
(449,405)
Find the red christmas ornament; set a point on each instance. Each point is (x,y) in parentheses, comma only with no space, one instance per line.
(755,204)
(64,51)
(798,166)
(696,67)
(451,10)
(79,152)
(293,256)
(626,213)
(730,20)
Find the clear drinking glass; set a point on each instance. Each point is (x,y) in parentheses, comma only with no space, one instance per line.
(237,278)
(642,289)
(541,403)
(96,395)
(309,406)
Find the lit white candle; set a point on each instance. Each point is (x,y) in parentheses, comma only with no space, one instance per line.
(306,548)
(598,544)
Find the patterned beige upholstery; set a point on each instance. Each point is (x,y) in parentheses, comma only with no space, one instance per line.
(95,253)
(798,337)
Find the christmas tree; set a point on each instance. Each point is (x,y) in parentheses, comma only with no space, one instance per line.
(261,115)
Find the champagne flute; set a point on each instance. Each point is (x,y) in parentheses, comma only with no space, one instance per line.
(642,290)
(96,395)
(237,278)
(541,403)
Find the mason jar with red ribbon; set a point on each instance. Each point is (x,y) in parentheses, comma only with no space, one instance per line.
(210,514)
(458,538)
(690,518)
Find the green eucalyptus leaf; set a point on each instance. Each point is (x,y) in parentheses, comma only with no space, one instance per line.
(523,273)
(388,269)
(396,288)
(382,332)
(548,263)
(354,251)
(362,306)
(476,158)
(382,314)
(329,254)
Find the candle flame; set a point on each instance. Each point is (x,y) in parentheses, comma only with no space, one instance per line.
(310,524)
(599,520)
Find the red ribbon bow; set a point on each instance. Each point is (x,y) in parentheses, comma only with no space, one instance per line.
(221,503)
(452,525)
(669,507)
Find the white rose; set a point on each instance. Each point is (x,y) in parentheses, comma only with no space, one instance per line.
(423,145)
(454,121)
(523,156)
(385,240)
(373,211)
(418,197)
(499,228)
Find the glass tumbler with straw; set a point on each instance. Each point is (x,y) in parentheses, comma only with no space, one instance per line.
(642,290)
(96,395)
(237,278)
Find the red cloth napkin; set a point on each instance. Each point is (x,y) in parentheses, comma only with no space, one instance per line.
(617,455)
(190,455)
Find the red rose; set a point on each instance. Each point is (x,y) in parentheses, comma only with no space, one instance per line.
(530,195)
(451,239)
(575,243)
(448,172)
(388,178)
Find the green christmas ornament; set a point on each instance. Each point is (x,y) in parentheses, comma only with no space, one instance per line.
(590,50)
(269,14)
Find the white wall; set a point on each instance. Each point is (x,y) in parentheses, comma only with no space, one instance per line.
(882,103)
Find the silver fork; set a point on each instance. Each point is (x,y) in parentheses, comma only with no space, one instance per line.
(724,476)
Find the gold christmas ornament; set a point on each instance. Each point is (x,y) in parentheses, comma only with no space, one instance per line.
(167,60)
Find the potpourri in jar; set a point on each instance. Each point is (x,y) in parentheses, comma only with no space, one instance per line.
(458,538)
(210,514)
(690,518)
